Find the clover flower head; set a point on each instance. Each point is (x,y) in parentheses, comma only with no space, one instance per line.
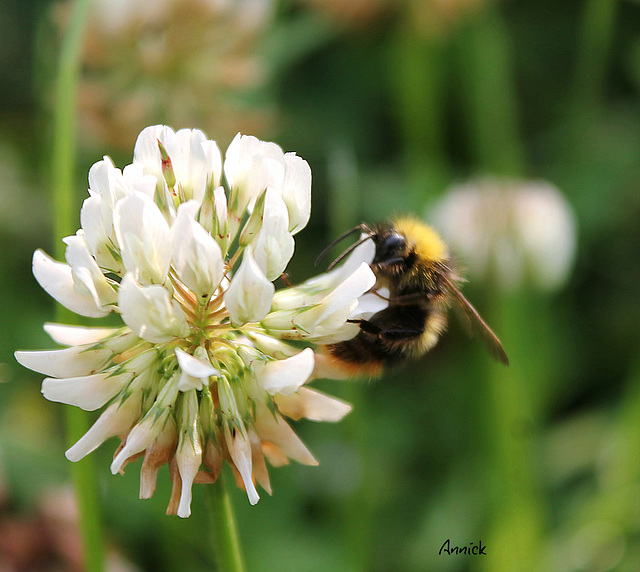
(210,358)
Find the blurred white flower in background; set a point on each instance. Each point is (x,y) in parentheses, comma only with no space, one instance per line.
(512,232)
(211,358)
(183,62)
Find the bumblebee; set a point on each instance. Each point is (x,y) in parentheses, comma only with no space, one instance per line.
(412,263)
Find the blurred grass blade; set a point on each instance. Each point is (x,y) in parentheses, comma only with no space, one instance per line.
(596,35)
(84,473)
(487,89)
(417,83)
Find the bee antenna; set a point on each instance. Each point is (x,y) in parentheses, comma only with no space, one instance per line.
(349,250)
(359,228)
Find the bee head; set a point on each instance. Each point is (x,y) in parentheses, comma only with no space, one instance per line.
(394,253)
(391,246)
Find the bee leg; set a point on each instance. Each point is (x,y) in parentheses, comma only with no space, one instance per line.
(385,298)
(390,334)
(400,334)
(367,326)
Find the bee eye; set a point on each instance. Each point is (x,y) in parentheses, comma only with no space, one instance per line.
(390,247)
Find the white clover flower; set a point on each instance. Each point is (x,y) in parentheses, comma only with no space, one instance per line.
(204,369)
(518,231)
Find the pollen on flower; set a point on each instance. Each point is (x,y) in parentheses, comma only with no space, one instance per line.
(201,371)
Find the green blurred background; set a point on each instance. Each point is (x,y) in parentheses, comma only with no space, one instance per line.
(391,103)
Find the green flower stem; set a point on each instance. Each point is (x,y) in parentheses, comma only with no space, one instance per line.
(85,483)
(64,141)
(226,541)
(83,473)
(517,508)
(417,83)
(484,54)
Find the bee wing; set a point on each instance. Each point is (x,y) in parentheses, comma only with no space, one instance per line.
(478,326)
